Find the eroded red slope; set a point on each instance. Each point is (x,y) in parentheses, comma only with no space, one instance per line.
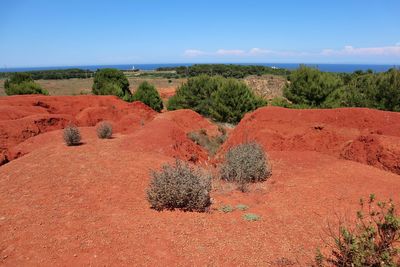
(341,133)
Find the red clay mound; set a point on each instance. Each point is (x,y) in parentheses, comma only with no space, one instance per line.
(326,131)
(167,134)
(47,139)
(13,132)
(376,150)
(71,105)
(362,119)
(16,112)
(139,114)
(92,115)
(22,117)
(190,121)
(165,137)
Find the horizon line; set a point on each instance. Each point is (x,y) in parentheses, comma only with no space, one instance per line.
(5,67)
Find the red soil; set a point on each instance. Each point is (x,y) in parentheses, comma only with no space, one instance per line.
(190,121)
(167,92)
(376,150)
(164,137)
(86,205)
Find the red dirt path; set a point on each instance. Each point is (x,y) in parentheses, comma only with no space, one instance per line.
(86,205)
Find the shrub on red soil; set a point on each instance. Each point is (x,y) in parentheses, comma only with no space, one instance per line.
(372,242)
(179,187)
(148,94)
(246,163)
(72,136)
(104,130)
(210,143)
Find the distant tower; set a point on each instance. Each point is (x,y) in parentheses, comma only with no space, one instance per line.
(133,67)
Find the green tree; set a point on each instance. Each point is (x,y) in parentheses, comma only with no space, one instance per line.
(388,86)
(232,100)
(111,82)
(22,83)
(222,99)
(148,94)
(310,86)
(196,94)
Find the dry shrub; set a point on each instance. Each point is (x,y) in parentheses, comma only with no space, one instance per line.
(211,144)
(246,163)
(72,135)
(104,130)
(181,187)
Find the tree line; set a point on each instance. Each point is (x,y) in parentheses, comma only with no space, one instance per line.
(225,70)
(53,74)
(215,95)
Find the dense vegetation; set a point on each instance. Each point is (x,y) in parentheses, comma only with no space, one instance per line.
(148,94)
(222,99)
(21,84)
(312,88)
(53,74)
(225,70)
(111,82)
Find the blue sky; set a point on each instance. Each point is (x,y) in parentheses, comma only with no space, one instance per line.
(56,33)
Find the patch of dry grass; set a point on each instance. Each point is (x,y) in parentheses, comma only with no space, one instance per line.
(76,86)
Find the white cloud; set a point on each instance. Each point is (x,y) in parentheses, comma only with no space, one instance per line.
(234,52)
(348,50)
(398,44)
(363,51)
(259,51)
(194,53)
(227,52)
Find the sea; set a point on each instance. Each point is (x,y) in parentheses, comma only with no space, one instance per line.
(347,68)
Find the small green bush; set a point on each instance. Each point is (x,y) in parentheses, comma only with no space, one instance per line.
(149,95)
(242,207)
(373,241)
(22,84)
(111,82)
(104,130)
(251,217)
(246,163)
(72,135)
(181,187)
(226,208)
